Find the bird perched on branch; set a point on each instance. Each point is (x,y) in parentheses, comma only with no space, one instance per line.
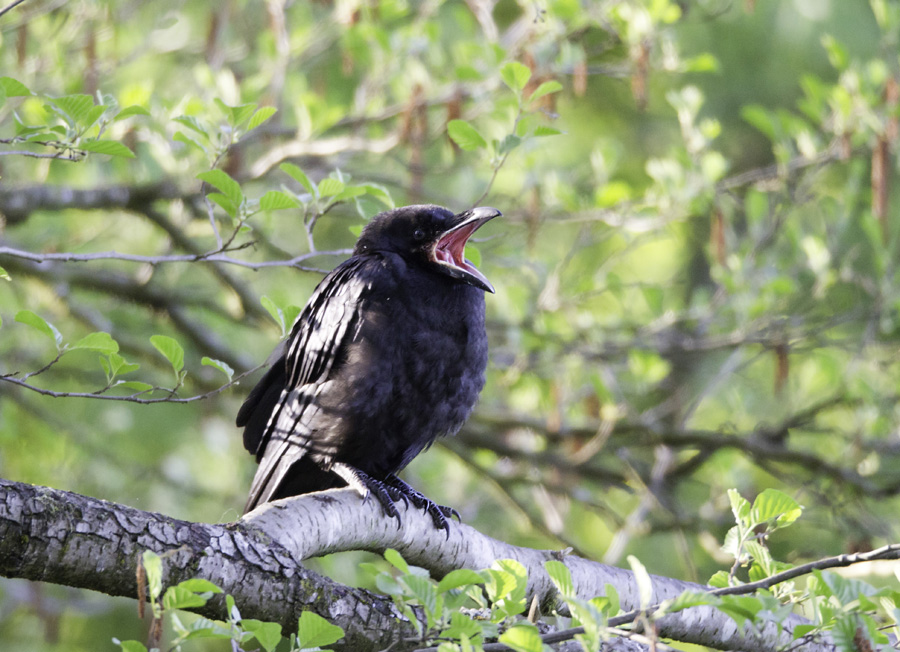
(388,355)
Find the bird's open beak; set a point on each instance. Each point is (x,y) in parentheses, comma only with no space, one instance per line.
(449,249)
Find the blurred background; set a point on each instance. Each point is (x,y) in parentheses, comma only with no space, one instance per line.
(695,267)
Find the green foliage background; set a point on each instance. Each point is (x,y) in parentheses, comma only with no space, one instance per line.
(696,277)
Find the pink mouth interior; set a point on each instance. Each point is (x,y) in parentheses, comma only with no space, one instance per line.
(451,248)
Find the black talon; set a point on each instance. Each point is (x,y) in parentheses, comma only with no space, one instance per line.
(439,513)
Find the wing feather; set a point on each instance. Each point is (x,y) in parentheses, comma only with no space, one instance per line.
(315,349)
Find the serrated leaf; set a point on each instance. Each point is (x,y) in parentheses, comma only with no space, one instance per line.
(75,107)
(100,341)
(299,175)
(267,634)
(380,193)
(457,578)
(224,202)
(129,111)
(108,147)
(237,115)
(39,323)
(275,200)
(219,179)
(261,115)
(396,560)
(719,580)
(330,186)
(522,638)
(94,114)
(153,571)
(774,505)
(171,351)
(218,364)
(13,87)
(545,88)
(561,577)
(515,75)
(178,597)
(465,135)
(315,631)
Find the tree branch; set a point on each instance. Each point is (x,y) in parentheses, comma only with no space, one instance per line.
(57,536)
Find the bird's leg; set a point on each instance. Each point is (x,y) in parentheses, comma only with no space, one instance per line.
(439,513)
(366,485)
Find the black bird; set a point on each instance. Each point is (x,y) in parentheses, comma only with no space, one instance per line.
(388,355)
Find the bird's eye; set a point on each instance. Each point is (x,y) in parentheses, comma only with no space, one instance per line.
(419,234)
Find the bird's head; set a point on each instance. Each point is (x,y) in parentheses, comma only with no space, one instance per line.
(430,235)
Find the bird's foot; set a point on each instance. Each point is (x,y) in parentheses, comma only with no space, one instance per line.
(366,485)
(439,513)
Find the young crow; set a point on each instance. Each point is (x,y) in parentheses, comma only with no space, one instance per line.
(388,355)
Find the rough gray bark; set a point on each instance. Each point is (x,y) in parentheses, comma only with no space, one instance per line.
(66,538)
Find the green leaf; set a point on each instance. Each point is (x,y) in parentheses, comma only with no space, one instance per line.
(153,570)
(276,312)
(268,634)
(740,506)
(465,135)
(508,144)
(219,179)
(13,87)
(171,351)
(193,124)
(545,88)
(199,585)
(36,321)
(643,581)
(4,275)
(315,631)
(108,147)
(226,204)
(73,107)
(380,193)
(777,506)
(99,341)
(396,560)
(129,111)
(458,578)
(178,597)
(330,186)
(218,364)
(261,115)
(522,638)
(237,115)
(719,580)
(275,200)
(299,175)
(130,646)
(135,385)
(561,577)
(542,131)
(182,137)
(515,75)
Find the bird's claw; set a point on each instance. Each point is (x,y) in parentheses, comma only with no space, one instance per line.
(439,513)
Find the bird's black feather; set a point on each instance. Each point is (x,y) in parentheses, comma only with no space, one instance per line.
(388,354)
